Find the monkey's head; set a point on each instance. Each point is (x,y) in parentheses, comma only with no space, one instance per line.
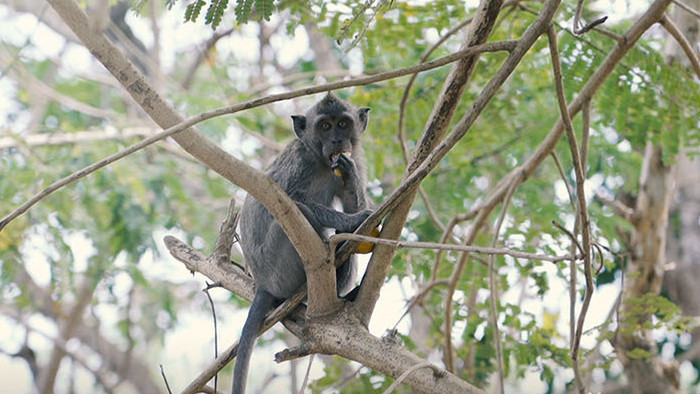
(331,127)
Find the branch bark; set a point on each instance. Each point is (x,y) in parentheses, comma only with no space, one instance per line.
(644,275)
(308,244)
(477,33)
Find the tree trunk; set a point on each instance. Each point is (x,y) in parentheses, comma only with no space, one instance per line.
(683,248)
(634,343)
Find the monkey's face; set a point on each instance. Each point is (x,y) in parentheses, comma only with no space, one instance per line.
(331,127)
(335,134)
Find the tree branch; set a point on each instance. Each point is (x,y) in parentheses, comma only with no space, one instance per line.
(478,32)
(687,47)
(337,238)
(581,207)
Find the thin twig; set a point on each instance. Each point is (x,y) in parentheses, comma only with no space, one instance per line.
(306,375)
(585,134)
(618,207)
(493,286)
(337,238)
(446,233)
(489,47)
(419,297)
(165,379)
(577,20)
(581,196)
(216,332)
(573,269)
(569,189)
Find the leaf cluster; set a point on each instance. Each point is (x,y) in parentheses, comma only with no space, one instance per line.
(245,11)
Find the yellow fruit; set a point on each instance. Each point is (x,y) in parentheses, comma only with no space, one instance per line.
(337,171)
(367,247)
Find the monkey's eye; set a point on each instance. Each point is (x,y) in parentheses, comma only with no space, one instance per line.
(325,126)
(343,124)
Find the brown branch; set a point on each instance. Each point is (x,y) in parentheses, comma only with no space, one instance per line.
(688,8)
(578,29)
(537,28)
(619,208)
(582,208)
(401,199)
(687,47)
(562,175)
(446,233)
(585,134)
(67,329)
(337,238)
(652,15)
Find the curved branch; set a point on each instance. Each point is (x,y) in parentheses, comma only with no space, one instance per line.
(687,47)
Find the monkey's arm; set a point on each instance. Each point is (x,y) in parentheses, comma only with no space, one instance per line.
(320,215)
(352,195)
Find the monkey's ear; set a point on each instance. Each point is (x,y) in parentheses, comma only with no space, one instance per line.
(363,114)
(299,124)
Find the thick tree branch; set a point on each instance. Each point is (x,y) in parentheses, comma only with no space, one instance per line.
(308,244)
(478,32)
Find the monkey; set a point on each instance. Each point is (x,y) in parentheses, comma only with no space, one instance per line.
(324,163)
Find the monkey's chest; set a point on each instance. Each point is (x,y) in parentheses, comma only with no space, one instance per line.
(322,188)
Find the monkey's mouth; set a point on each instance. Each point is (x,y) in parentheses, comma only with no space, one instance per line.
(335,156)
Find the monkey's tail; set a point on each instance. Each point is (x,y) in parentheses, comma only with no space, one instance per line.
(262,303)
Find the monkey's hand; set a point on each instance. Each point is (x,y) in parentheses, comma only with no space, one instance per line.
(345,167)
(334,162)
(354,220)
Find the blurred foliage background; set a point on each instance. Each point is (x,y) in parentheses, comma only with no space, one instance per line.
(91,254)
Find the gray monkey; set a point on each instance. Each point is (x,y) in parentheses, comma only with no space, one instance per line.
(325,162)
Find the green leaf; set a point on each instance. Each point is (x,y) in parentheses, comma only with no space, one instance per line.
(243,8)
(193,10)
(215,13)
(264,8)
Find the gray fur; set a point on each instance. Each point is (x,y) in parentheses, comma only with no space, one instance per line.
(304,170)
